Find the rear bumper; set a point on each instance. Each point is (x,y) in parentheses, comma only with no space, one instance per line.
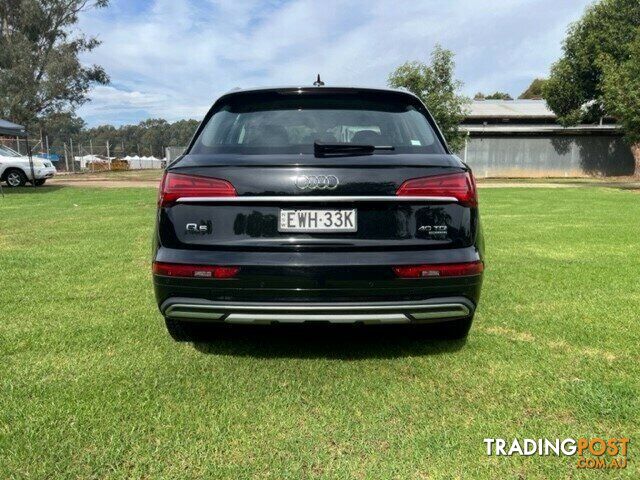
(426,311)
(337,287)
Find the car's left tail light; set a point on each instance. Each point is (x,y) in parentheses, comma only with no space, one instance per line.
(179,185)
(459,185)
(194,271)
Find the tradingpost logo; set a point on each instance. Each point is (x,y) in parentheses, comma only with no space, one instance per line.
(591,453)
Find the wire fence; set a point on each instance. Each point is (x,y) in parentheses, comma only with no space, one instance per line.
(171,153)
(89,157)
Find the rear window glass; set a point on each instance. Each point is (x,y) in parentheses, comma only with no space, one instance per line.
(291,123)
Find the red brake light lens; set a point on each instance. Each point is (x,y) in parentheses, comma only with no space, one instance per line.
(439,270)
(179,185)
(461,186)
(193,271)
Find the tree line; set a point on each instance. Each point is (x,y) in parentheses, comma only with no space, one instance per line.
(147,138)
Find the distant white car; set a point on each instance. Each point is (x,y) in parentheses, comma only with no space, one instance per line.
(15,169)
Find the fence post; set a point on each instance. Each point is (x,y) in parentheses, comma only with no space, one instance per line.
(66,159)
(93,167)
(33,173)
(73,160)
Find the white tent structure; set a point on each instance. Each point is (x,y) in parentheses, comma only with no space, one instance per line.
(85,160)
(143,163)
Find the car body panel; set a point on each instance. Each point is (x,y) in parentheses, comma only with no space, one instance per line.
(381,223)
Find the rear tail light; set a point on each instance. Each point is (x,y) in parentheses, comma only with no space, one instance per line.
(461,186)
(439,270)
(193,271)
(179,185)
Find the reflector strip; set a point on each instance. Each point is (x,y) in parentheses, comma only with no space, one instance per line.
(194,271)
(439,270)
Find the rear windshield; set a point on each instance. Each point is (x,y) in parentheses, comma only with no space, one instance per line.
(291,123)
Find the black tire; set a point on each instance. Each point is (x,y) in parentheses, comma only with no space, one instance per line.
(40,182)
(455,329)
(15,178)
(179,330)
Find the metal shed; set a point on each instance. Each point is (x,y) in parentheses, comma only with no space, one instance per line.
(522,138)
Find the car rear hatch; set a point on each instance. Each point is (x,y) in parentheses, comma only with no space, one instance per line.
(265,191)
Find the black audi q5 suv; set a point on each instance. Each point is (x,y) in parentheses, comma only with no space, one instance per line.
(318,204)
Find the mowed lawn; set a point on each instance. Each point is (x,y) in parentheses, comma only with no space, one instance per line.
(91,386)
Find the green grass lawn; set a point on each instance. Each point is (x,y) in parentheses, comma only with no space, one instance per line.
(91,386)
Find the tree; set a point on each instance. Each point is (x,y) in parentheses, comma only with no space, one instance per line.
(40,73)
(61,125)
(533,91)
(621,94)
(603,35)
(493,96)
(594,78)
(435,85)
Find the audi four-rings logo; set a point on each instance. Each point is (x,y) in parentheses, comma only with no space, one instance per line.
(316,182)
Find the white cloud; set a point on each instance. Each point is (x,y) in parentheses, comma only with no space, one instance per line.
(120,99)
(174,58)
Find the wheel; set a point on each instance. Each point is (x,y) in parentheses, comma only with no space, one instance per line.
(40,182)
(15,178)
(455,329)
(180,331)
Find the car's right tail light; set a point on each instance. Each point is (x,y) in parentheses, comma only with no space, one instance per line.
(439,270)
(180,185)
(460,185)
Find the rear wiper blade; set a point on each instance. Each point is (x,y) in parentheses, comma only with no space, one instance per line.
(322,149)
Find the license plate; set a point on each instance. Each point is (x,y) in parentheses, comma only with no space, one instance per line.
(318,221)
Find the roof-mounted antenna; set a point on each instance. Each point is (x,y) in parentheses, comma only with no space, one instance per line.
(318,82)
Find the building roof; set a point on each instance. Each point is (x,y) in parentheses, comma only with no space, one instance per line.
(511,109)
(523,117)
(10,128)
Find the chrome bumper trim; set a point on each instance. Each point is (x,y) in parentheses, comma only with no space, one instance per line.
(258,318)
(312,199)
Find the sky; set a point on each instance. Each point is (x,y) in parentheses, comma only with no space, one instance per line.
(172,58)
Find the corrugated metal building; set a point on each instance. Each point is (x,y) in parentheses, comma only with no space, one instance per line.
(522,138)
